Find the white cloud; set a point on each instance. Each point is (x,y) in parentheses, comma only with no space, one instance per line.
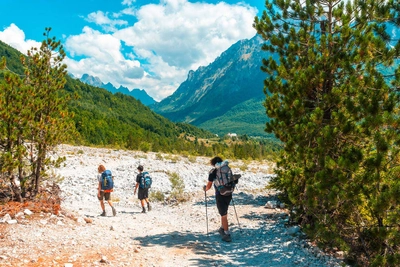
(128,2)
(100,18)
(158,46)
(189,35)
(101,56)
(180,36)
(92,43)
(15,37)
(127,11)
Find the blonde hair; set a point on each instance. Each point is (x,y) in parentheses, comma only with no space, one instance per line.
(101,168)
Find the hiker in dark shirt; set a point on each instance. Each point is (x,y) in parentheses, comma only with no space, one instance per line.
(143,194)
(222,201)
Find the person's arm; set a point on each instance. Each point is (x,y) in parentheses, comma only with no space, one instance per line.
(136,187)
(208,186)
(211,178)
(137,184)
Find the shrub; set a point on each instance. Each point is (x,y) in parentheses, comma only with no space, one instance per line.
(243,167)
(192,159)
(172,158)
(145,146)
(177,188)
(157,195)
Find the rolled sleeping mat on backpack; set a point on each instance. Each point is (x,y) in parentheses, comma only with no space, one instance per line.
(236,177)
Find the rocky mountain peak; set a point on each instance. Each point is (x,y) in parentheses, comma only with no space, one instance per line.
(139,94)
(213,91)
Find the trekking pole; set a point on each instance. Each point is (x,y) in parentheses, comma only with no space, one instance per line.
(205,198)
(240,229)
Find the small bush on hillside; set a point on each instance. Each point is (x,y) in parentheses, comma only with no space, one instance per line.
(177,188)
(185,154)
(115,198)
(243,167)
(192,159)
(172,158)
(145,146)
(157,196)
(178,197)
(177,183)
(140,156)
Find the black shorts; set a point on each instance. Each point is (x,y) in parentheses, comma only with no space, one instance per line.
(223,203)
(143,193)
(103,195)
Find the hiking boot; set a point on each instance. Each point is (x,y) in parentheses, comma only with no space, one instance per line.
(114,211)
(143,210)
(226,237)
(103,214)
(148,207)
(221,231)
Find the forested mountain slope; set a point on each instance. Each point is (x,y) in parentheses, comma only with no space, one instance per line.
(102,118)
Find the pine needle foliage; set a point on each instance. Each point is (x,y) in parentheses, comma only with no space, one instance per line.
(34,116)
(333,100)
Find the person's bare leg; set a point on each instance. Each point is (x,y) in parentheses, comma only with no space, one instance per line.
(227,236)
(142,202)
(148,204)
(102,205)
(224,222)
(112,207)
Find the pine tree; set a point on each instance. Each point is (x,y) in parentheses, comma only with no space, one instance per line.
(14,116)
(45,76)
(332,101)
(34,116)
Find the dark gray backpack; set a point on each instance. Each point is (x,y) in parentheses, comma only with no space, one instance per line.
(224,181)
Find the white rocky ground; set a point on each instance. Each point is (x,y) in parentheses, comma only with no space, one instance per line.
(180,234)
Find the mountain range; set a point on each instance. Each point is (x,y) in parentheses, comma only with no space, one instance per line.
(224,97)
(139,94)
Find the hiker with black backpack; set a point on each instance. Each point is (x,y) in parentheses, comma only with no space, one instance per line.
(104,189)
(143,182)
(222,178)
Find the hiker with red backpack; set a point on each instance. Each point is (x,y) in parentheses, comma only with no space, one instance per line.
(222,178)
(104,189)
(143,182)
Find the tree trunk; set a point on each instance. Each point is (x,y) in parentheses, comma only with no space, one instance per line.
(15,189)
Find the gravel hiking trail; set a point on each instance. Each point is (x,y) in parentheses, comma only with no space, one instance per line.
(169,235)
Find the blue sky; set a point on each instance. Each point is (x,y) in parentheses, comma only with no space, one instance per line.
(148,45)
